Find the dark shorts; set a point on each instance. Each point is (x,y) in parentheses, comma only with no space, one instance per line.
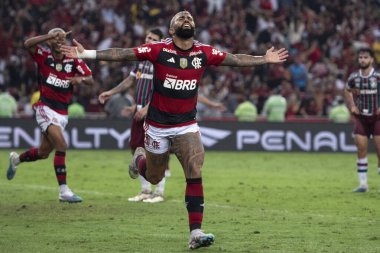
(137,134)
(367,125)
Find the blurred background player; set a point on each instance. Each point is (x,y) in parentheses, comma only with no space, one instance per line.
(170,125)
(57,74)
(142,75)
(363,100)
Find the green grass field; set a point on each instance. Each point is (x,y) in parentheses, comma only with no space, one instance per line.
(255,202)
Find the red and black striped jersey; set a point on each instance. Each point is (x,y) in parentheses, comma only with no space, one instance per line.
(55,89)
(176,78)
(366,91)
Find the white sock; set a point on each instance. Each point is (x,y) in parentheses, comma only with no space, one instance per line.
(378,170)
(362,164)
(63,188)
(161,187)
(146,187)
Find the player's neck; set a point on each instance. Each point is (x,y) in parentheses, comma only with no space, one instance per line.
(183,44)
(366,71)
(58,55)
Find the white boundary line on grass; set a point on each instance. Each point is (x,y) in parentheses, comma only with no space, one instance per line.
(96,193)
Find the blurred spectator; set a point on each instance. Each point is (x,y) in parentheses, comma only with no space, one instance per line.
(339,112)
(76,110)
(275,107)
(115,106)
(299,74)
(320,35)
(8,104)
(246,111)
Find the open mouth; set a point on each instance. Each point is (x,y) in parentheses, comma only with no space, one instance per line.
(188,26)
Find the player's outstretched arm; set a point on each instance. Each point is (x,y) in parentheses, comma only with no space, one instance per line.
(111,54)
(244,60)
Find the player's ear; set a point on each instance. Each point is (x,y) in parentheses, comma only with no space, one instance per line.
(171,31)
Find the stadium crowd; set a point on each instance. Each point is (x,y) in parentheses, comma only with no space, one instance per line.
(321,36)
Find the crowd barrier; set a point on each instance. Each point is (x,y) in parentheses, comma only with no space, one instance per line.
(216,135)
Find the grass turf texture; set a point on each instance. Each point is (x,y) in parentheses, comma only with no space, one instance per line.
(255,202)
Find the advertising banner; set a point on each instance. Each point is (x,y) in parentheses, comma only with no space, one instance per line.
(216,135)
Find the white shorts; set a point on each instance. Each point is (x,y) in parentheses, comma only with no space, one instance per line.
(157,140)
(46,117)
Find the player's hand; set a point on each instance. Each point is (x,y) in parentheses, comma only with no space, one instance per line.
(378,113)
(354,110)
(219,106)
(72,51)
(140,115)
(75,80)
(104,96)
(278,56)
(128,110)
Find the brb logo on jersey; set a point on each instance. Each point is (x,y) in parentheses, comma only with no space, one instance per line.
(142,50)
(178,84)
(55,81)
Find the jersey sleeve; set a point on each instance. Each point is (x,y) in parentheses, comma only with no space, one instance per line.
(81,68)
(39,55)
(350,82)
(214,55)
(148,52)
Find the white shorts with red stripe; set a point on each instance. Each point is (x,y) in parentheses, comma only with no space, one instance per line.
(157,140)
(46,117)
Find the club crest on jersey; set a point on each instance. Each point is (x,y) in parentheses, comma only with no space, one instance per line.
(69,68)
(183,63)
(373,83)
(196,62)
(58,67)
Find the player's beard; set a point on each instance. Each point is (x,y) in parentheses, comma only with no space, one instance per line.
(185,33)
(364,65)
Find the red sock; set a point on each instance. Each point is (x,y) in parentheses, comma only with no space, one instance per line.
(60,167)
(194,202)
(30,155)
(141,165)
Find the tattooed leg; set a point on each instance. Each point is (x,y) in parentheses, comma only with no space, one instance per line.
(190,152)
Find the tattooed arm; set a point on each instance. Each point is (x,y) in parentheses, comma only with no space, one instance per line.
(244,60)
(112,54)
(116,54)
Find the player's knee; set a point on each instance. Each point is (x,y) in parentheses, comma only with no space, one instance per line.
(61,147)
(195,165)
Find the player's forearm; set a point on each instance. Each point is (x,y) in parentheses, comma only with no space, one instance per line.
(31,42)
(116,54)
(124,85)
(349,99)
(206,101)
(243,60)
(88,80)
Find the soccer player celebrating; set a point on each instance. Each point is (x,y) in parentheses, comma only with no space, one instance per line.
(363,100)
(179,63)
(57,75)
